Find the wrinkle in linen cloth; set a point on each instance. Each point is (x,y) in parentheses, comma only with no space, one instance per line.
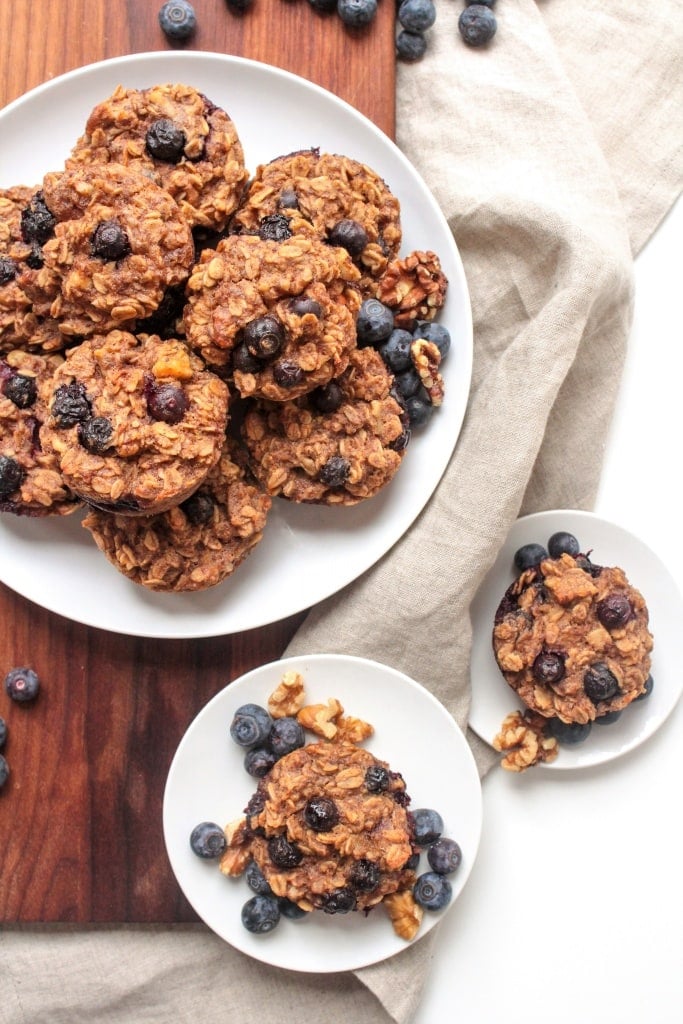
(553,153)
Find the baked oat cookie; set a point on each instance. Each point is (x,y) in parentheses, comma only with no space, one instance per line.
(31,483)
(119,243)
(179,138)
(572,639)
(337,446)
(136,424)
(325,836)
(339,199)
(279,315)
(194,545)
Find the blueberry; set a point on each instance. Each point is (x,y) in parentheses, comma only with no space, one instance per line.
(256,880)
(599,683)
(376,778)
(563,543)
(410,46)
(95,434)
(412,863)
(288,200)
(568,733)
(339,901)
(199,508)
(364,875)
(649,686)
(444,856)
(250,725)
(324,6)
(477,25)
(70,405)
(260,914)
(609,717)
(327,398)
(374,322)
(11,476)
(258,761)
(264,337)
(287,373)
(177,19)
(166,402)
(303,305)
(21,390)
(349,234)
(335,471)
(37,223)
(419,408)
(165,141)
(485,3)
(417,15)
(432,891)
(8,269)
(427,826)
(395,351)
(4,771)
(3,732)
(614,610)
(529,555)
(357,13)
(22,684)
(408,383)
(207,840)
(321,814)
(285,735)
(274,228)
(283,853)
(436,333)
(239,6)
(548,667)
(291,910)
(109,241)
(243,361)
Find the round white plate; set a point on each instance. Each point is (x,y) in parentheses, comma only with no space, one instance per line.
(492,698)
(207,782)
(307,553)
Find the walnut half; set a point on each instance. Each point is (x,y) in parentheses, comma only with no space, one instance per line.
(523,739)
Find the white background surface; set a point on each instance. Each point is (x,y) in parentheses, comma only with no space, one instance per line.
(574,909)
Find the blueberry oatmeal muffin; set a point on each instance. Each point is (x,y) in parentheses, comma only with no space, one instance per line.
(340,200)
(136,424)
(337,446)
(119,242)
(571,638)
(31,483)
(279,315)
(177,137)
(194,545)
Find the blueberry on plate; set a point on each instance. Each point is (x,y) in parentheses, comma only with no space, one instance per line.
(436,333)
(427,825)
(444,856)
(563,543)
(569,733)
(285,735)
(3,732)
(260,914)
(529,555)
(258,761)
(432,891)
(374,323)
(207,840)
(250,725)
(291,910)
(256,880)
(649,685)
(609,717)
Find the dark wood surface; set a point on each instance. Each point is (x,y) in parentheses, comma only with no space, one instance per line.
(80,817)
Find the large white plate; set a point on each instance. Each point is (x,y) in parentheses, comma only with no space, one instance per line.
(492,698)
(207,782)
(307,553)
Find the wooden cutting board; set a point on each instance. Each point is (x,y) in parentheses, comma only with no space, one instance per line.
(80,817)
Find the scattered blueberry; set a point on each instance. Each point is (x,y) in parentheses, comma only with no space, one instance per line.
(22,684)
(290,909)
(477,25)
(649,686)
(239,6)
(444,856)
(260,914)
(408,383)
(609,717)
(413,862)
(419,407)
(243,361)
(8,269)
(274,228)
(563,543)
(256,880)
(4,771)
(599,683)
(568,733)
(321,814)
(165,141)
(357,13)
(339,901)
(70,405)
(258,761)
(37,222)
(335,471)
(417,15)
(529,555)
(199,508)
(395,351)
(207,840)
(3,732)
(435,332)
(374,322)
(285,735)
(109,241)
(327,398)
(614,610)
(287,373)
(432,891)
(177,19)
(303,305)
(427,825)
(250,725)
(11,476)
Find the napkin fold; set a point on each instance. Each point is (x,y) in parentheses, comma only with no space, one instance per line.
(554,153)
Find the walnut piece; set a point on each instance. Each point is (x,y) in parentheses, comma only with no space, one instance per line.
(404,913)
(413,287)
(426,359)
(287,697)
(523,739)
(321,719)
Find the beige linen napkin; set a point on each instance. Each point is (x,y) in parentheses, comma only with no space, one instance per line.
(554,153)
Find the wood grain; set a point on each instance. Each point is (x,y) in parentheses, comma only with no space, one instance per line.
(80,817)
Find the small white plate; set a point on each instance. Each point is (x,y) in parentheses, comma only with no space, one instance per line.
(493,699)
(207,782)
(307,552)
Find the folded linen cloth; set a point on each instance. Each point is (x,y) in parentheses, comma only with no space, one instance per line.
(554,153)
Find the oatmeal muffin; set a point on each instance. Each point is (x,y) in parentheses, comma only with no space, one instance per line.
(337,446)
(194,545)
(31,483)
(329,828)
(279,315)
(339,199)
(572,640)
(119,243)
(136,424)
(177,137)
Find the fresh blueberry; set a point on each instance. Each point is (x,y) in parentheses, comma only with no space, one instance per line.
(410,46)
(649,686)
(374,323)
(427,826)
(349,234)
(417,15)
(291,910)
(339,901)
(177,19)
(609,717)
(3,732)
(260,914)
(285,735)
(419,407)
(22,684)
(258,761)
(283,853)
(477,25)
(444,856)
(11,476)
(599,683)
(568,733)
(432,891)
(412,863)
(408,383)
(4,771)
(207,840)
(357,13)
(165,141)
(614,610)
(250,725)
(563,543)
(376,778)
(529,555)
(436,333)
(256,880)
(395,351)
